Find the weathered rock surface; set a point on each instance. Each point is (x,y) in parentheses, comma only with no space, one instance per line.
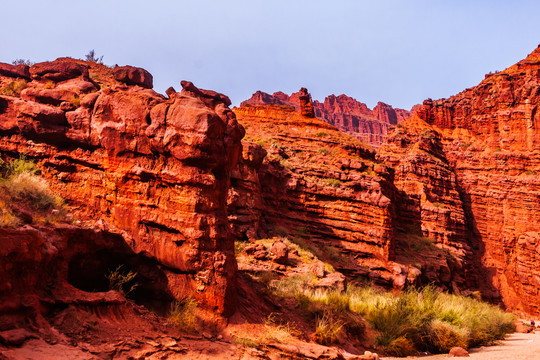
(154,170)
(469,166)
(15,71)
(131,75)
(321,184)
(59,70)
(346,113)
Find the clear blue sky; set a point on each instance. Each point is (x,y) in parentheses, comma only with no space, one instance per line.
(399,52)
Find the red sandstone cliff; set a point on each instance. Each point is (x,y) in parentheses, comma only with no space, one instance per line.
(344,112)
(155,170)
(479,188)
(306,176)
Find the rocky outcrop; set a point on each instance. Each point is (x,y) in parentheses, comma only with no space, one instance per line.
(479,192)
(59,70)
(344,112)
(306,105)
(15,71)
(154,170)
(131,75)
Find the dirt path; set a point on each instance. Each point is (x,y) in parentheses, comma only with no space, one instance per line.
(515,347)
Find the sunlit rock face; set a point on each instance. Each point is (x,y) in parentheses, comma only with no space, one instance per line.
(155,170)
(476,157)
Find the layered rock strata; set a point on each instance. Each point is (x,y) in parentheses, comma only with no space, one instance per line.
(152,169)
(488,144)
(318,184)
(344,112)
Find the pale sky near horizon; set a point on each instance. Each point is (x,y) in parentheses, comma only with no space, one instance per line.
(398,52)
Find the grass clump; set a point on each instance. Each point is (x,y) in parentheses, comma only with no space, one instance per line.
(328,329)
(406,323)
(273,331)
(429,320)
(14,88)
(22,189)
(183,315)
(332,182)
(122,281)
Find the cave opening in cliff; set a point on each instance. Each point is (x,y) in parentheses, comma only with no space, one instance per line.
(141,279)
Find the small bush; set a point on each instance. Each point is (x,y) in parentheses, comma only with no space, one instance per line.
(14,88)
(183,315)
(19,166)
(75,100)
(122,281)
(328,329)
(323,151)
(7,219)
(332,182)
(444,336)
(32,189)
(400,347)
(91,56)
(23,188)
(22,62)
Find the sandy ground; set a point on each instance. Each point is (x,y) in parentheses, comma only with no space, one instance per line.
(515,347)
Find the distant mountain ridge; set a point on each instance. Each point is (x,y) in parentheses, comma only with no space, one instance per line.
(344,112)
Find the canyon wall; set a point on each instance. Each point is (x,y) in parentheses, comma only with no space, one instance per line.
(155,170)
(487,193)
(459,178)
(492,140)
(303,178)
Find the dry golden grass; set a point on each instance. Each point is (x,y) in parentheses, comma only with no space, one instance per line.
(21,187)
(184,315)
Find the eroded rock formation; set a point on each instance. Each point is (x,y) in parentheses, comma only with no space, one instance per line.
(480,189)
(304,176)
(344,112)
(154,170)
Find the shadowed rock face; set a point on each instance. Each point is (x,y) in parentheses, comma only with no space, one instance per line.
(155,170)
(344,112)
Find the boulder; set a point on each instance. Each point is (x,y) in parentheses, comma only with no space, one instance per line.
(279,252)
(208,94)
(131,75)
(58,70)
(457,351)
(333,281)
(317,268)
(15,337)
(523,328)
(15,71)
(170,91)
